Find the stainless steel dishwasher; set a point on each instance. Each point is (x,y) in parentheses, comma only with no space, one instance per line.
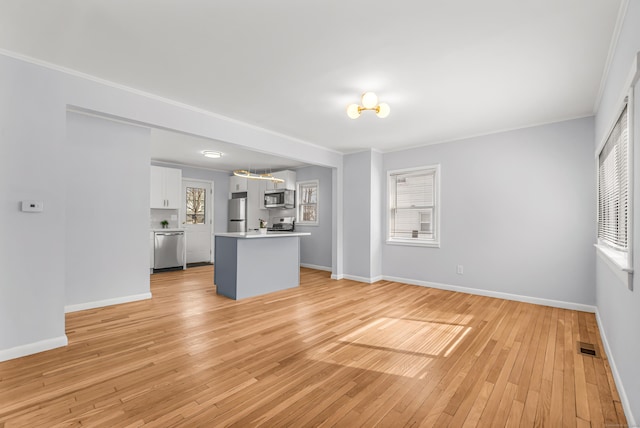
(168,249)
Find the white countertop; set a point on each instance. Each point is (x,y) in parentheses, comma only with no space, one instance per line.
(247,235)
(176,229)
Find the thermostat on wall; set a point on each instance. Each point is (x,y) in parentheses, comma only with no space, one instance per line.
(32,206)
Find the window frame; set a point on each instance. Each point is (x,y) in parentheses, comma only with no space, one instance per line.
(436,219)
(619,260)
(299,204)
(205,207)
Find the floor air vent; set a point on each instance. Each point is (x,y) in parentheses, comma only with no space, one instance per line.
(587,349)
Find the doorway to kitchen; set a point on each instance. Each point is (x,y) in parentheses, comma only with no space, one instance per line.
(197,220)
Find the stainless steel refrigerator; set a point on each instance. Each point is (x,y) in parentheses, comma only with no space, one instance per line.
(238,215)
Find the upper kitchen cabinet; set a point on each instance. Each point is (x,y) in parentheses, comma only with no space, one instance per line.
(289,178)
(166,184)
(237,184)
(255,204)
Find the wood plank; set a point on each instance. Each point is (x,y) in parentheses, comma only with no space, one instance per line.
(328,353)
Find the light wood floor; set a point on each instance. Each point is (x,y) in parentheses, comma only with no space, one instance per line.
(331,353)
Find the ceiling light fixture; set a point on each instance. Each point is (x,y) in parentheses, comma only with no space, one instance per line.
(212,154)
(254,176)
(369,102)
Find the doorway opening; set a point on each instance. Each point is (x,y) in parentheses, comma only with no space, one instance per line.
(197,220)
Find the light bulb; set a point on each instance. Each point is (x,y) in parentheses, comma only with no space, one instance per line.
(353,111)
(383,110)
(369,100)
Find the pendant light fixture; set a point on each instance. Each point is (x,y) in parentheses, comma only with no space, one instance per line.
(255,176)
(369,102)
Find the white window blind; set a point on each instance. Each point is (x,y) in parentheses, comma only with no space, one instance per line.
(613,186)
(413,212)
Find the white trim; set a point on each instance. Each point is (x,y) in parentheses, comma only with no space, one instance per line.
(316,267)
(485,134)
(33,348)
(91,113)
(149,95)
(412,243)
(626,406)
(435,243)
(615,37)
(627,88)
(337,277)
(497,294)
(363,279)
(622,268)
(106,302)
(210,209)
(298,196)
(617,263)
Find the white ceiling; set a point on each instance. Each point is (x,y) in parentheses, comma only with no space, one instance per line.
(167,146)
(448,69)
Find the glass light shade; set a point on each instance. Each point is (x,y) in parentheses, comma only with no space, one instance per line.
(383,110)
(353,111)
(212,154)
(369,100)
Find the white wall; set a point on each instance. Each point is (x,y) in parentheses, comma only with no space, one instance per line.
(33,103)
(378,199)
(517,211)
(32,260)
(316,249)
(618,307)
(106,170)
(357,215)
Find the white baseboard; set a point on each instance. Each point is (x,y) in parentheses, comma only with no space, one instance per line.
(337,277)
(310,266)
(616,376)
(106,302)
(363,279)
(500,295)
(33,348)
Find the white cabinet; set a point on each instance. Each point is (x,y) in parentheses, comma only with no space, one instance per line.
(261,189)
(166,185)
(255,203)
(238,184)
(289,178)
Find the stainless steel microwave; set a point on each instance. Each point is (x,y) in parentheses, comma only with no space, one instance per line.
(279,198)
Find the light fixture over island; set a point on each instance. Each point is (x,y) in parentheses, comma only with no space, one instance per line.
(249,264)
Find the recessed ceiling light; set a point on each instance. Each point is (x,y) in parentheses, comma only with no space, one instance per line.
(212,154)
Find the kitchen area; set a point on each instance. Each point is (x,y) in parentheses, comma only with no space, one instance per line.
(261,236)
(240,206)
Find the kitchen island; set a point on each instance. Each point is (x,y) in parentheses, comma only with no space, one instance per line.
(250,263)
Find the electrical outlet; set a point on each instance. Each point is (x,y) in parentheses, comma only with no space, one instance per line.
(460,269)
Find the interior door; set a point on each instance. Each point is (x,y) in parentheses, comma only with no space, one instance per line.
(197,219)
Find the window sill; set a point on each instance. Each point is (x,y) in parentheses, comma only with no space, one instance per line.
(618,262)
(413,243)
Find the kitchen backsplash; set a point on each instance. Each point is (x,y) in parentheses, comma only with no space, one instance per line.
(279,212)
(158,215)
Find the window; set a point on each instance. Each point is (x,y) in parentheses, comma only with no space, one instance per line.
(613,187)
(414,206)
(196,198)
(307,204)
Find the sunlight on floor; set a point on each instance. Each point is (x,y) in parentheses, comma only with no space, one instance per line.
(405,347)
